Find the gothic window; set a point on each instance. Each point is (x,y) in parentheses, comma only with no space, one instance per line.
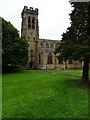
(39,58)
(41,44)
(49,59)
(52,46)
(42,58)
(29,22)
(47,45)
(33,23)
(37,24)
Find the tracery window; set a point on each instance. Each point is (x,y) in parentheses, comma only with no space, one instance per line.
(37,24)
(41,44)
(29,22)
(39,58)
(52,46)
(50,59)
(33,23)
(47,45)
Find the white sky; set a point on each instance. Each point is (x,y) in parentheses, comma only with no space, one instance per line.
(53,15)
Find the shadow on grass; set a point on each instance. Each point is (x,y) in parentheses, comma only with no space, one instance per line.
(15,72)
(78,83)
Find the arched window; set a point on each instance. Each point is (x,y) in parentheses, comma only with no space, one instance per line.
(47,45)
(33,23)
(29,22)
(39,58)
(52,46)
(37,24)
(50,59)
(41,44)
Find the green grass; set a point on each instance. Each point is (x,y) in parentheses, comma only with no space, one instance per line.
(37,94)
(71,72)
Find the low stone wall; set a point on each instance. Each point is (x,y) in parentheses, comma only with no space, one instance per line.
(74,66)
(60,66)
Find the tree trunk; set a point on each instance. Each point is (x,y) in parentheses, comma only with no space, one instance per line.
(85,73)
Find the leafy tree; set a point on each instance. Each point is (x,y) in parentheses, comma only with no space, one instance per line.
(75,43)
(14,48)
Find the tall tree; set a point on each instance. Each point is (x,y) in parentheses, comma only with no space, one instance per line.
(14,48)
(75,42)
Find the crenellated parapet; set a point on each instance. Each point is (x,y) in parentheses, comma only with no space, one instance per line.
(30,10)
(49,40)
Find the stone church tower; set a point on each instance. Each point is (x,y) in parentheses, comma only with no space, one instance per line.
(30,30)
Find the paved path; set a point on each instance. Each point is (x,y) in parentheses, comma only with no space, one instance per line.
(61,74)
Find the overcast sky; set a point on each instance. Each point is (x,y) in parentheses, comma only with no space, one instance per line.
(53,15)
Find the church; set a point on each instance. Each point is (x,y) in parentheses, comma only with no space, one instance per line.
(41,51)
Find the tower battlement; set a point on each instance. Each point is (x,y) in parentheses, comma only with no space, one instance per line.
(30,10)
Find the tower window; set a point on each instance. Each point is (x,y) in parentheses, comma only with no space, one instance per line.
(37,25)
(39,58)
(29,22)
(33,23)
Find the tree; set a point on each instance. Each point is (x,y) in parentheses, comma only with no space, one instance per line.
(14,48)
(75,42)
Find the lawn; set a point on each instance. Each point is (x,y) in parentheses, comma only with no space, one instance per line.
(69,72)
(39,94)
